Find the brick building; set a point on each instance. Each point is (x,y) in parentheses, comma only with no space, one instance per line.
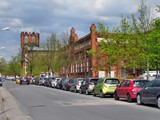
(88,66)
(28,40)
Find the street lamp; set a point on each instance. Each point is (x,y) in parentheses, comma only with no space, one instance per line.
(6,28)
(2,48)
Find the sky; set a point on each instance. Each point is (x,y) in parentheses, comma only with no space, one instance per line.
(57,16)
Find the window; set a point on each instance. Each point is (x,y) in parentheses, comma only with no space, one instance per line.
(150,84)
(112,81)
(127,84)
(123,84)
(26,39)
(157,84)
(34,39)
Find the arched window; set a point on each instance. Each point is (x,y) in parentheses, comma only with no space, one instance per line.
(25,39)
(33,39)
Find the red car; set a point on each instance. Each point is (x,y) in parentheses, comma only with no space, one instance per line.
(129,88)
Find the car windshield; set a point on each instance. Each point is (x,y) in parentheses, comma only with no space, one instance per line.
(140,83)
(93,80)
(112,81)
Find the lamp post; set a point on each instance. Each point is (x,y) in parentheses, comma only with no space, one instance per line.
(6,28)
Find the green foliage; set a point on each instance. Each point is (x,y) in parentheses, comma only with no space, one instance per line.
(15,66)
(134,44)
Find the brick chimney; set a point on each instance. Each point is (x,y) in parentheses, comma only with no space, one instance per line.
(93,47)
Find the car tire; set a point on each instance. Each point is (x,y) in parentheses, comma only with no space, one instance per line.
(80,91)
(70,89)
(94,94)
(101,95)
(75,90)
(139,100)
(129,99)
(116,96)
(158,102)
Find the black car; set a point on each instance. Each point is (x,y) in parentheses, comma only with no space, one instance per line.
(60,83)
(36,81)
(67,84)
(24,80)
(76,85)
(87,85)
(1,81)
(150,94)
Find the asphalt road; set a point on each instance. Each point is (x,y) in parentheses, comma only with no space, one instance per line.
(42,103)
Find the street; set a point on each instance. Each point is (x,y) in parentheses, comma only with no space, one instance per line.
(42,103)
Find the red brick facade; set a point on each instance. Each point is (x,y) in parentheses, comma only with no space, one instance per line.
(28,39)
(88,65)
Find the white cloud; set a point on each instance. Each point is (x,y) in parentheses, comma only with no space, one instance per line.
(60,15)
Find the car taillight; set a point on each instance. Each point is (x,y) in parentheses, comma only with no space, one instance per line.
(69,84)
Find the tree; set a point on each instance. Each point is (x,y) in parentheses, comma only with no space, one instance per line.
(3,65)
(15,66)
(51,46)
(145,30)
(131,44)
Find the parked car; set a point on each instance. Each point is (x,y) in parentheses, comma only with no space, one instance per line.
(150,94)
(105,86)
(54,83)
(129,88)
(88,85)
(17,81)
(42,80)
(46,82)
(1,81)
(67,84)
(60,83)
(36,81)
(77,84)
(24,80)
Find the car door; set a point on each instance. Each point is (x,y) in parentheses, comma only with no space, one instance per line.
(120,89)
(125,89)
(154,91)
(147,94)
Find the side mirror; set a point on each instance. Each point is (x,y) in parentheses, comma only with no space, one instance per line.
(117,85)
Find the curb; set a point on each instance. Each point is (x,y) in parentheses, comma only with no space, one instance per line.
(9,108)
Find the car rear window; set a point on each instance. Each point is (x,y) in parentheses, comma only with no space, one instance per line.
(140,83)
(80,80)
(71,81)
(112,81)
(94,80)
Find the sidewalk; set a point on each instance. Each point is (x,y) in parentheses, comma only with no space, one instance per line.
(9,109)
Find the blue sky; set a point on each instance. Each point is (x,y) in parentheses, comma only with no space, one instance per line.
(59,16)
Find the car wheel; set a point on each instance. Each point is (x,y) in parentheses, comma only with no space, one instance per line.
(116,96)
(158,102)
(70,90)
(87,93)
(80,91)
(94,94)
(129,99)
(139,101)
(101,95)
(75,90)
